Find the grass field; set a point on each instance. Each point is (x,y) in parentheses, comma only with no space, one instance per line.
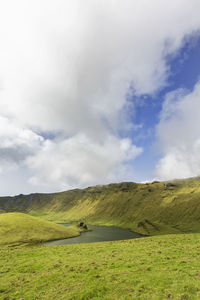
(161,267)
(21,228)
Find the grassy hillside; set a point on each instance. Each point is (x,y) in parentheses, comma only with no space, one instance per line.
(152,208)
(161,267)
(21,228)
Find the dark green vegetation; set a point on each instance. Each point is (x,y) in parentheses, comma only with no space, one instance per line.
(151,209)
(17,228)
(159,267)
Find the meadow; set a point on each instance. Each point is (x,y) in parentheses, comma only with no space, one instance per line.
(160,267)
(163,265)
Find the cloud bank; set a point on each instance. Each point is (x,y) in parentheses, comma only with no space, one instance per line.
(178,135)
(66,68)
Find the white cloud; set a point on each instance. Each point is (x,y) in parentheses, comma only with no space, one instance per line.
(178,135)
(65,70)
(78,161)
(16,143)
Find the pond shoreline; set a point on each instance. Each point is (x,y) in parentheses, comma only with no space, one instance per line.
(96,233)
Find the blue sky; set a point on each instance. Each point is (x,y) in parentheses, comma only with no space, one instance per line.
(184,73)
(94,92)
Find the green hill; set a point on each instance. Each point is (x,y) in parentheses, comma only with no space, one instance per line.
(151,208)
(22,228)
(159,267)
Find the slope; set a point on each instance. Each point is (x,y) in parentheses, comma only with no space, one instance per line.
(22,228)
(151,208)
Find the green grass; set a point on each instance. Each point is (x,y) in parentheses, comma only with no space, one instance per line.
(157,267)
(151,208)
(160,267)
(22,228)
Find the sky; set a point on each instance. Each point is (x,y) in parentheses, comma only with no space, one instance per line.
(98,91)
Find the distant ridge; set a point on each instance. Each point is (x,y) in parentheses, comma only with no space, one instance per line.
(149,208)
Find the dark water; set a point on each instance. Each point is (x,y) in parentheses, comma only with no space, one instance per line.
(98,234)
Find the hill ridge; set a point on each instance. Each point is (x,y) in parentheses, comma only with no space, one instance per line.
(147,208)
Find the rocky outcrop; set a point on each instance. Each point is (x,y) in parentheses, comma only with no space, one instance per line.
(82,225)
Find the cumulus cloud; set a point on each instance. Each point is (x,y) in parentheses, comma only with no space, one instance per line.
(66,68)
(178,135)
(16,143)
(78,161)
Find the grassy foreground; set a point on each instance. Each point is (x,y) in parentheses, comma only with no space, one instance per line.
(160,267)
(22,228)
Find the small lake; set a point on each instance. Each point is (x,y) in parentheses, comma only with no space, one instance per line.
(98,234)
